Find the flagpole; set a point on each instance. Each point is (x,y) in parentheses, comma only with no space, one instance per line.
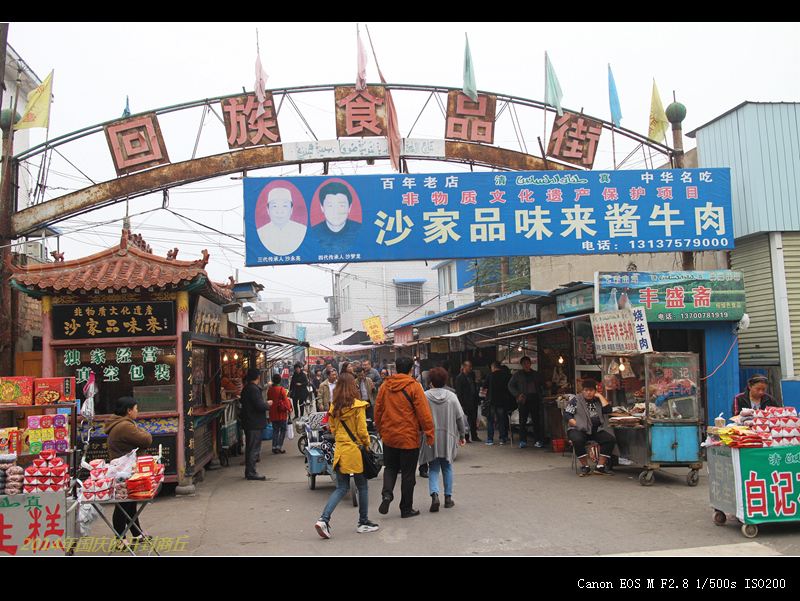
(46,170)
(544,120)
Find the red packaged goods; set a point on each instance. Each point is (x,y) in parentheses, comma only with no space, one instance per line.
(16,390)
(30,470)
(45,421)
(29,488)
(59,420)
(34,422)
(139,483)
(58,472)
(40,462)
(10,441)
(56,462)
(48,455)
(62,446)
(95,463)
(54,390)
(146,464)
(60,433)
(98,473)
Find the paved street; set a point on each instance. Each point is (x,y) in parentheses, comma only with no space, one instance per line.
(508,502)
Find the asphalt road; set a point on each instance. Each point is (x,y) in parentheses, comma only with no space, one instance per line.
(509,501)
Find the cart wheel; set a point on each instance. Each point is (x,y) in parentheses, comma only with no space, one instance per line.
(719,517)
(692,478)
(312,481)
(750,530)
(647,478)
(302,443)
(354,494)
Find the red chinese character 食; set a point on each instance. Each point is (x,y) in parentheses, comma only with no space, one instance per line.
(701,296)
(610,194)
(756,496)
(782,487)
(526,195)
(664,193)
(4,538)
(469,197)
(675,298)
(497,196)
(53,515)
(361,112)
(439,198)
(648,297)
(580,193)
(636,193)
(691,192)
(410,199)
(554,195)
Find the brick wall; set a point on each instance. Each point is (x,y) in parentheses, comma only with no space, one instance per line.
(29,321)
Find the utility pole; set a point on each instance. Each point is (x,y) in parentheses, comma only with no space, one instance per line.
(676,113)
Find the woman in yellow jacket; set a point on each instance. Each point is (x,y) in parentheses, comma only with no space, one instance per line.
(346,408)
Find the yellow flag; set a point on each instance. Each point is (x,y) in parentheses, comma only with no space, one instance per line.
(658,118)
(37,111)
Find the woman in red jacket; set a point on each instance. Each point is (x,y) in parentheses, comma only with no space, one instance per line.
(278,412)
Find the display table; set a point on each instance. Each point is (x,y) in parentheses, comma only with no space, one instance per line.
(755,485)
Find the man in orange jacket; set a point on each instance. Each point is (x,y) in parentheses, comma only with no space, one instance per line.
(401,412)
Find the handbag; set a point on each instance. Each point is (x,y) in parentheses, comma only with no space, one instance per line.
(371,467)
(289,431)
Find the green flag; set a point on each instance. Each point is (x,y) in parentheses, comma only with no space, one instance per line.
(552,91)
(469,88)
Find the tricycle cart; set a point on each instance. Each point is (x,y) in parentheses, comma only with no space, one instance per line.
(754,485)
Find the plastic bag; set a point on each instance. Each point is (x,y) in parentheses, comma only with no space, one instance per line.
(89,390)
(86,515)
(124,465)
(290,433)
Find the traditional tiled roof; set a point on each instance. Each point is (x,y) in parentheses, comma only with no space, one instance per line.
(124,267)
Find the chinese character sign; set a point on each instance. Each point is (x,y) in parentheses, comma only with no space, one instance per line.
(136,144)
(360,113)
(113,320)
(245,127)
(33,524)
(770,484)
(622,332)
(470,121)
(374,329)
(399,217)
(575,139)
(676,296)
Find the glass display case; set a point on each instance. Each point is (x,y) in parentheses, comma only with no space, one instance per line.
(624,380)
(672,386)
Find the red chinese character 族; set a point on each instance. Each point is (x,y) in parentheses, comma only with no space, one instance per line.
(756,496)
(5,537)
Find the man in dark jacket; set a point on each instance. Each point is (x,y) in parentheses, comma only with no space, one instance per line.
(298,389)
(254,420)
(468,397)
(500,402)
(526,386)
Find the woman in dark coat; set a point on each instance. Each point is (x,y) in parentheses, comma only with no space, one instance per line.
(298,389)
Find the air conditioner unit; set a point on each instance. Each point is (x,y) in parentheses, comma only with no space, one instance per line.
(429,313)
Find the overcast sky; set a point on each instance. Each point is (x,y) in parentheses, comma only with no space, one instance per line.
(711,67)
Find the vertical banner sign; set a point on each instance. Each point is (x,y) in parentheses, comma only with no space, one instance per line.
(374,329)
(399,217)
(622,332)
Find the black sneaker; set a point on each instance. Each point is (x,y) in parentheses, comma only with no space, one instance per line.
(434,502)
(367,527)
(410,514)
(384,507)
(602,469)
(585,471)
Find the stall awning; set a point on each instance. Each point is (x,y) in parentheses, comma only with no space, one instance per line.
(534,329)
(465,332)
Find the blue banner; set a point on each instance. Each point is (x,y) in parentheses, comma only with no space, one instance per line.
(400,217)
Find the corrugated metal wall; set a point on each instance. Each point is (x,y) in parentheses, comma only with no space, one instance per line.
(761,145)
(791,263)
(759,344)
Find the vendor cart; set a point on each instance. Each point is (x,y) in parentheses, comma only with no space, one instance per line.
(754,485)
(665,387)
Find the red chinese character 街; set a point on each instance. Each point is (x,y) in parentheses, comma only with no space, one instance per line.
(756,496)
(497,196)
(610,194)
(701,297)
(675,298)
(526,195)
(410,199)
(782,488)
(5,538)
(648,297)
(554,195)
(580,193)
(439,198)
(53,516)
(469,197)
(691,193)
(636,193)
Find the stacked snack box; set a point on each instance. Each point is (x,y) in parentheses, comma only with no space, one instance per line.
(47,433)
(10,441)
(48,473)
(48,391)
(781,423)
(144,482)
(99,486)
(17,390)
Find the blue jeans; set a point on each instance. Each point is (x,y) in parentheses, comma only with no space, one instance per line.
(447,474)
(342,488)
(278,434)
(499,415)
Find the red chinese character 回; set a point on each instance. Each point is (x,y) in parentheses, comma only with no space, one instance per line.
(648,297)
(756,496)
(53,516)
(675,298)
(5,538)
(701,297)
(782,488)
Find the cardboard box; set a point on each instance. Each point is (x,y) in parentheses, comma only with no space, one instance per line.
(47,434)
(45,421)
(48,445)
(60,433)
(54,390)
(36,447)
(16,390)
(10,441)
(34,422)
(59,421)
(62,446)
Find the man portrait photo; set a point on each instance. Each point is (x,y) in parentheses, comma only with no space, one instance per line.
(338,231)
(281,235)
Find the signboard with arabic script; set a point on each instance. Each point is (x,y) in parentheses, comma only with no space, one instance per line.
(672,296)
(113,320)
(622,332)
(398,217)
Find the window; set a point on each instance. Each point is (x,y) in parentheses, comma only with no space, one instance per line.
(409,294)
(446,279)
(346,298)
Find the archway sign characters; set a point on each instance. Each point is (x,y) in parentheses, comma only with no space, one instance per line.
(400,217)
